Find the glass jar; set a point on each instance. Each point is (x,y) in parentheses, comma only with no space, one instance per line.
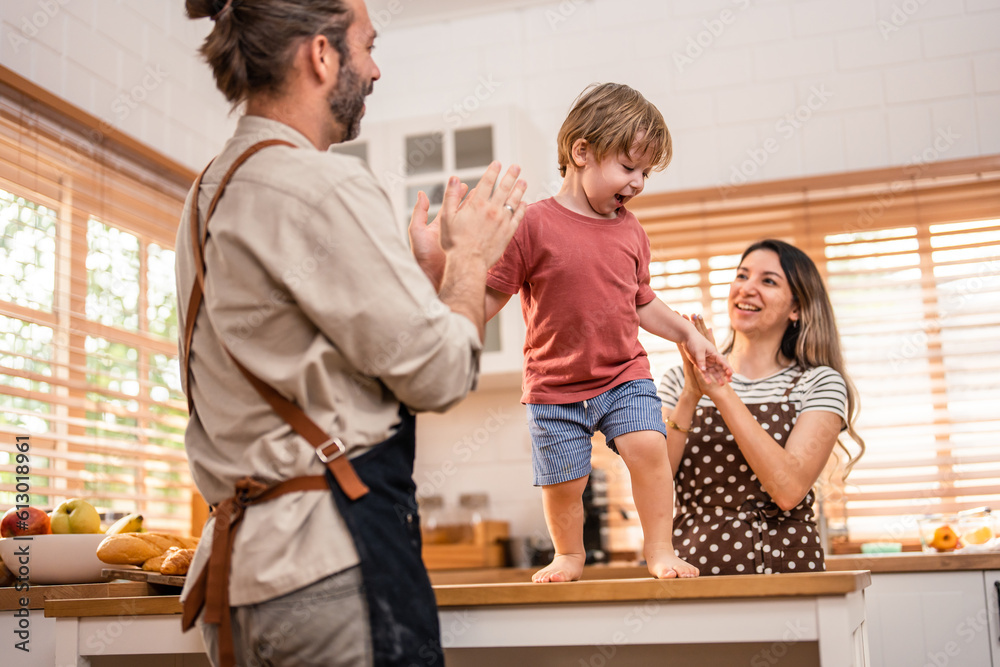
(474,510)
(432,527)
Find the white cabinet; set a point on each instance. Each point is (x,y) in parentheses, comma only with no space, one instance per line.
(992,581)
(419,154)
(933,619)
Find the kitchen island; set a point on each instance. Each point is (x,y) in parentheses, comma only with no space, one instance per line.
(815,618)
(915,613)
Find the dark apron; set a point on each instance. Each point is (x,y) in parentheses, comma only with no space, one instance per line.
(385,526)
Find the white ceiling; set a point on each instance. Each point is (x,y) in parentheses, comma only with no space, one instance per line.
(389,14)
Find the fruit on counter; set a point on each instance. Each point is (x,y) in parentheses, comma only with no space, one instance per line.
(945,539)
(130,523)
(75,516)
(25,521)
(980,535)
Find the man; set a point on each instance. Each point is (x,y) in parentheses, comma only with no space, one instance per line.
(310,328)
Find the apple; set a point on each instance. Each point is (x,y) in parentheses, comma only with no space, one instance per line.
(75,516)
(24,521)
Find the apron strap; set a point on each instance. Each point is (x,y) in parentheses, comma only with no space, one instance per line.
(329,450)
(795,381)
(211,589)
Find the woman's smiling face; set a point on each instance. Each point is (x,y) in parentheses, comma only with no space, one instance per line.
(760,298)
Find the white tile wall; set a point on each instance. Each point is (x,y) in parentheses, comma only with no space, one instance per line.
(131,63)
(901,74)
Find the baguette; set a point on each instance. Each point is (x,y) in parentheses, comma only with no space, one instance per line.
(137,548)
(176,561)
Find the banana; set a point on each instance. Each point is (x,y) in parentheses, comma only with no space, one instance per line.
(130,523)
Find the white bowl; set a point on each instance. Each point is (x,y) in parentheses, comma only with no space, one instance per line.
(56,559)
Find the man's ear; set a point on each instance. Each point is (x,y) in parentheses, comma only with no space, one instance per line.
(580,153)
(323,59)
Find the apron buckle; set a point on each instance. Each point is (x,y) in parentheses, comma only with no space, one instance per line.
(324,456)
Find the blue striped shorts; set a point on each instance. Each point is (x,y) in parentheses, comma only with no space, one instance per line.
(560,434)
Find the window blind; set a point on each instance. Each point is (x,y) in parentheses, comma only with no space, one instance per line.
(911,258)
(88,346)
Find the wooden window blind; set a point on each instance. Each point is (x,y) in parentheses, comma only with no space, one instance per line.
(911,258)
(88,318)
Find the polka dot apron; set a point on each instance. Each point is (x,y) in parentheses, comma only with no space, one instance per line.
(725,522)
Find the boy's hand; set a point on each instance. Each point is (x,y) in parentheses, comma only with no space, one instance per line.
(700,348)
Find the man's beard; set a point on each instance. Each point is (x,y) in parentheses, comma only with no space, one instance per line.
(347,101)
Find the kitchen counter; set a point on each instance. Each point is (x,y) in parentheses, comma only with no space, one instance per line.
(915,562)
(899,562)
(820,613)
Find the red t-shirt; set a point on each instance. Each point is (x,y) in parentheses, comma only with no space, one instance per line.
(581,280)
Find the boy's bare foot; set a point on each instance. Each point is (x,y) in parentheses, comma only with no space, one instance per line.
(564,567)
(663,563)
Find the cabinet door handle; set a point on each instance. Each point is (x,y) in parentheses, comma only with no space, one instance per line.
(996,584)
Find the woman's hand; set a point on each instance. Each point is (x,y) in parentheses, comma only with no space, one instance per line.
(700,350)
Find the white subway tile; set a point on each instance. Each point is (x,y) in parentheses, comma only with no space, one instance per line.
(122,28)
(928,80)
(981,5)
(15,50)
(974,33)
(78,88)
(987,112)
(702,8)
(155,12)
(100,56)
(695,163)
(823,145)
(48,28)
(714,69)
(758,24)
(787,60)
(986,69)
(957,119)
(48,68)
(909,132)
(688,110)
(868,49)
(839,91)
(755,102)
(901,13)
(786,160)
(821,17)
(866,142)
(85,10)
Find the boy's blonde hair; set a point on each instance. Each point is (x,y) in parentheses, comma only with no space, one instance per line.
(609,116)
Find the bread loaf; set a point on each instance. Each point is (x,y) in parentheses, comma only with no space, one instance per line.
(137,548)
(154,563)
(177,561)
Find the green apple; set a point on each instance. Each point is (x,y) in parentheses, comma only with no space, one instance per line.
(75,516)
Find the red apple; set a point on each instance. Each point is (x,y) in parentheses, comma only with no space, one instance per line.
(26,521)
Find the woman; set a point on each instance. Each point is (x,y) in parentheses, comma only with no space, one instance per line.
(747,454)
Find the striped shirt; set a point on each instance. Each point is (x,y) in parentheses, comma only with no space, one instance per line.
(819,388)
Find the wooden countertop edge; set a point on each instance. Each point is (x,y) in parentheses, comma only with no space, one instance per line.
(603,590)
(10,598)
(626,590)
(906,562)
(915,562)
(117,606)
